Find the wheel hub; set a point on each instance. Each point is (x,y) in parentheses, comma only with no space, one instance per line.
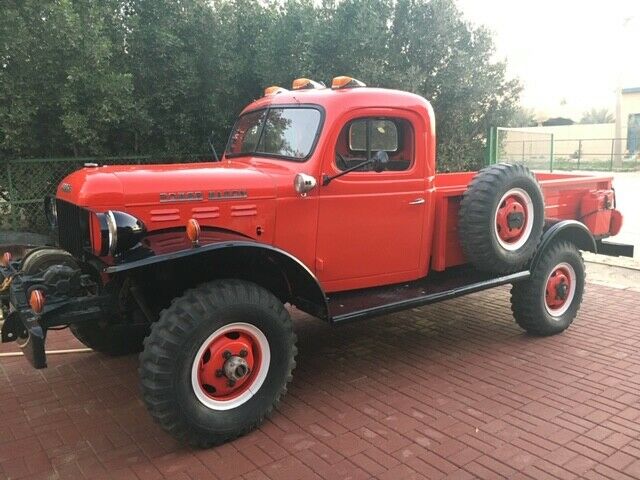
(228,365)
(557,288)
(235,368)
(511,219)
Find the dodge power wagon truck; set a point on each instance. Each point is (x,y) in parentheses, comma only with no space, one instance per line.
(326,199)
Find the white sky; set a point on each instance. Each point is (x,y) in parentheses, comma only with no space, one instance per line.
(564,51)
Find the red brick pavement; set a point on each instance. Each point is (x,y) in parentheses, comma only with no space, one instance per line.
(454,390)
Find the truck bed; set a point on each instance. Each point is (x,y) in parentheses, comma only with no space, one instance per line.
(563,193)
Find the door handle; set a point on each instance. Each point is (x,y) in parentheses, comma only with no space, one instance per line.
(417,201)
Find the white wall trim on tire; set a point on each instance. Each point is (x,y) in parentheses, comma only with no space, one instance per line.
(528,227)
(256,383)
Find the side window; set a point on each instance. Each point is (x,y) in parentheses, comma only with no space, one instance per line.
(360,139)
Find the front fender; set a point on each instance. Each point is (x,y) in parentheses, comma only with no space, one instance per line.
(271,267)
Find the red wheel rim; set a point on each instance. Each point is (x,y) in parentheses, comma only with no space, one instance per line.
(560,289)
(237,351)
(512,218)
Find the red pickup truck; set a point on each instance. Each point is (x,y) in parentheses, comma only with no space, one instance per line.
(326,199)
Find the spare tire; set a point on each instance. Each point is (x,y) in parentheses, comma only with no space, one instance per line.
(501,218)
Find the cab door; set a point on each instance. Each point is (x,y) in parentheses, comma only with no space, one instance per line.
(370,225)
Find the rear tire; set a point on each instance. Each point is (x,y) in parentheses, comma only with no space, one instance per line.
(501,218)
(548,302)
(184,368)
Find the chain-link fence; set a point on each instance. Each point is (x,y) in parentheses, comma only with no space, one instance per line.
(533,149)
(542,151)
(24,183)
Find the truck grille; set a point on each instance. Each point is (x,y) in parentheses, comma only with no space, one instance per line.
(73,227)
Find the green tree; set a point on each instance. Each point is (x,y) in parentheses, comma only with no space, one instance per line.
(522,117)
(597,115)
(81,77)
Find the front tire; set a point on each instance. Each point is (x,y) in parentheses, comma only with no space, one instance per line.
(548,302)
(217,361)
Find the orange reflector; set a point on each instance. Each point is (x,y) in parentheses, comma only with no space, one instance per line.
(346,82)
(274,90)
(36,301)
(306,84)
(6,259)
(193,230)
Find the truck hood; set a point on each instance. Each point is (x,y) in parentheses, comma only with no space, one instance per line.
(117,186)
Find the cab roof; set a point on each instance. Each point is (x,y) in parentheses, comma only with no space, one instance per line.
(341,100)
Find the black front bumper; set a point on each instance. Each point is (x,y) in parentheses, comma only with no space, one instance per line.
(28,328)
(20,324)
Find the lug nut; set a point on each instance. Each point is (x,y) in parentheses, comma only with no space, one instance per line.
(231,383)
(226,354)
(219,372)
(243,352)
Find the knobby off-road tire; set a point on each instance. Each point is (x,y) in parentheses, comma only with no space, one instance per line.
(183,368)
(501,218)
(105,336)
(548,302)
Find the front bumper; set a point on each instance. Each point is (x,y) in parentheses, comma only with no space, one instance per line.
(20,324)
(67,301)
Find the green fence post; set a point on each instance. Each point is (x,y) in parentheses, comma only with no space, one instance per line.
(551,156)
(490,148)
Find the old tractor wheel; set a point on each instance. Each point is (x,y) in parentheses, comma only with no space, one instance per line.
(217,361)
(501,218)
(548,302)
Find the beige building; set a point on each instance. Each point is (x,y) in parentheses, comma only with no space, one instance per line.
(585,143)
(630,118)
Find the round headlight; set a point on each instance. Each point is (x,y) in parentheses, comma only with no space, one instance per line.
(119,232)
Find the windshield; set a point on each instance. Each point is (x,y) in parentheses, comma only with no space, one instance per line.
(288,132)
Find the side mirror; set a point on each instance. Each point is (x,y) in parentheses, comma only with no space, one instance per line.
(379,161)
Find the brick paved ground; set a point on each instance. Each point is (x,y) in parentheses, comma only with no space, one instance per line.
(454,390)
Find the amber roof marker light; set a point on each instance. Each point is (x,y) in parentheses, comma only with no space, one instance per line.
(307,84)
(343,81)
(274,90)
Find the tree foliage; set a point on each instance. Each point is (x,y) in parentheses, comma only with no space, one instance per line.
(80,77)
(522,117)
(597,115)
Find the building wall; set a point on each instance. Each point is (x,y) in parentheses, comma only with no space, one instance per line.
(630,104)
(591,139)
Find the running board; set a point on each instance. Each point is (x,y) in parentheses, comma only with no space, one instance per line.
(436,287)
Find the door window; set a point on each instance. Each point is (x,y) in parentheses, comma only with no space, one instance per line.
(360,139)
